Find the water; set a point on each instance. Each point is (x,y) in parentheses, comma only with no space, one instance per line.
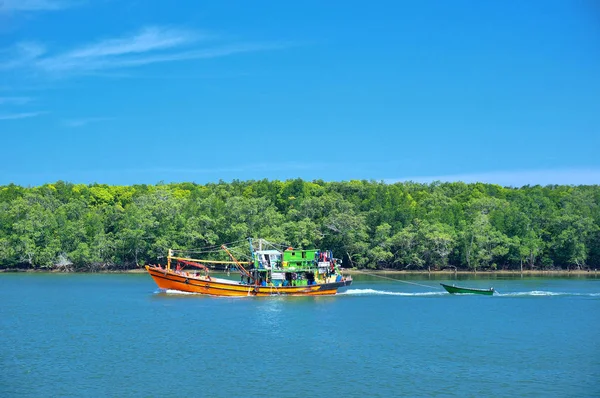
(116,335)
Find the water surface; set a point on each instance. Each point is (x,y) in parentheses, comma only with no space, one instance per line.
(117,335)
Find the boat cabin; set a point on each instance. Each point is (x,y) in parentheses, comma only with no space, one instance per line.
(299,259)
(267,259)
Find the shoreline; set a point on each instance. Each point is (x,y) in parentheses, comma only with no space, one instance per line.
(351,271)
(56,271)
(463,272)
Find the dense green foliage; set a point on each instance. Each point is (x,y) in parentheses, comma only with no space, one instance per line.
(368,224)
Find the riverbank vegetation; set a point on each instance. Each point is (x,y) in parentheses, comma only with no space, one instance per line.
(408,226)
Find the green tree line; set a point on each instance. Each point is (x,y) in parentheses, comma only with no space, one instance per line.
(368,224)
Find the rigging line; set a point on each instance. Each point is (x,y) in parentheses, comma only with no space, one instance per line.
(271,243)
(206,250)
(200,249)
(210,247)
(279,244)
(399,280)
(233,243)
(195,251)
(238,252)
(275,245)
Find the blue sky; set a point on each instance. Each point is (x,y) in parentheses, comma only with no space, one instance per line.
(127,92)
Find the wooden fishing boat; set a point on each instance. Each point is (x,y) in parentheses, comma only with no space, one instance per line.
(467,290)
(289,272)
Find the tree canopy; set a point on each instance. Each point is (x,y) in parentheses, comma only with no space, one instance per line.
(368,224)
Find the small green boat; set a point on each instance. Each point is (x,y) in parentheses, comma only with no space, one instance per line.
(467,290)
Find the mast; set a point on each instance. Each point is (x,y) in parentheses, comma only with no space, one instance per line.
(251,249)
(169,259)
(237,263)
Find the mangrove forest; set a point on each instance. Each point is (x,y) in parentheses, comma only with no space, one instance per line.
(368,224)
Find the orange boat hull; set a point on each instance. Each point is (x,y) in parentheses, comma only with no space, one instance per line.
(187,282)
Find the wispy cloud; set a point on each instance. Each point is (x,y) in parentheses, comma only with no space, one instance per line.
(24,115)
(35,5)
(517,178)
(148,46)
(22,55)
(149,39)
(14,100)
(85,121)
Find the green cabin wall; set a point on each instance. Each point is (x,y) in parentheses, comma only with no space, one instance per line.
(298,258)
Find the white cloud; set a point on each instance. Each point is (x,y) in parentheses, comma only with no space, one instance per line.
(24,115)
(567,176)
(148,46)
(148,39)
(130,62)
(34,5)
(85,121)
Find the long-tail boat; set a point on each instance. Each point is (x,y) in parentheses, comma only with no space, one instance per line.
(289,272)
(467,290)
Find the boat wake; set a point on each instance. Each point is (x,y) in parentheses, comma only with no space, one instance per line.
(373,292)
(178,292)
(542,293)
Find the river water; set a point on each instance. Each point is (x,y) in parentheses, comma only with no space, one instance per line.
(117,335)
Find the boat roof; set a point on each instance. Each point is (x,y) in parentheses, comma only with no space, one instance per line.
(267,252)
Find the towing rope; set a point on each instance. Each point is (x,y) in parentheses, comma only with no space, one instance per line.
(398,280)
